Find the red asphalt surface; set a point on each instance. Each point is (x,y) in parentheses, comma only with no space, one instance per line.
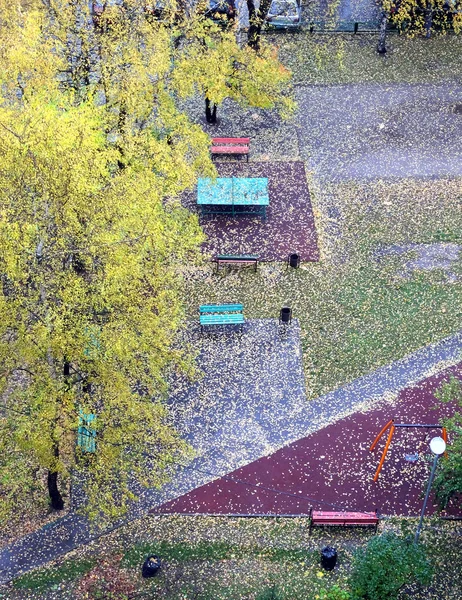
(334,469)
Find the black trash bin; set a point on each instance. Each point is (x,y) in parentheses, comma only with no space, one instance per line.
(285,316)
(151,566)
(294,260)
(328,558)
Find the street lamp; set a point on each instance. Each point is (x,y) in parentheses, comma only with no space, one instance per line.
(438,447)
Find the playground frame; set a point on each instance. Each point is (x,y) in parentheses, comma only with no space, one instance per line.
(392,425)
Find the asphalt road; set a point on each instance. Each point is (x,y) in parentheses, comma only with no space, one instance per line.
(381,131)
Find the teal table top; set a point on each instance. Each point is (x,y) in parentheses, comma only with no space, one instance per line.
(240,191)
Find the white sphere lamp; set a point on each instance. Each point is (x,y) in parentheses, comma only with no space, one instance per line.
(438,445)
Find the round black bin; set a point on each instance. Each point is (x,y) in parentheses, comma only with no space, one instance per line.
(285,315)
(151,566)
(328,558)
(294,260)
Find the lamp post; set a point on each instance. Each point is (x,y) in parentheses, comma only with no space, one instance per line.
(437,446)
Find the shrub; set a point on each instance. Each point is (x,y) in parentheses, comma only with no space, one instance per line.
(334,593)
(387,564)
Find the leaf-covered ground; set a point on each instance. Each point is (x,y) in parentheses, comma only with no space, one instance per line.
(388,283)
(357,312)
(381,131)
(213,558)
(333,468)
(339,58)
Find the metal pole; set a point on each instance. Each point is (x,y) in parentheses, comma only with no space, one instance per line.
(430,481)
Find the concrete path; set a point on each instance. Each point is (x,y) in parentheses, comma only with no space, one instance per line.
(235,446)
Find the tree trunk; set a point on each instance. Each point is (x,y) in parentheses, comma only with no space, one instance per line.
(428,19)
(210,112)
(256,20)
(121,126)
(381,46)
(56,499)
(253,35)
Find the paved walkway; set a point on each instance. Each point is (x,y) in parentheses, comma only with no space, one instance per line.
(234,443)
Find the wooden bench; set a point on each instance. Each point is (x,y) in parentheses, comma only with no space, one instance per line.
(342,519)
(221,314)
(236,260)
(236,146)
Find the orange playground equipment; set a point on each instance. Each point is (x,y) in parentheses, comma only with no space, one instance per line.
(392,426)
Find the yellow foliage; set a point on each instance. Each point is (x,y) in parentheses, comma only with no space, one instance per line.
(421,17)
(95,150)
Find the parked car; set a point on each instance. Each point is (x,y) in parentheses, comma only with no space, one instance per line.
(284,14)
(155,9)
(99,8)
(221,11)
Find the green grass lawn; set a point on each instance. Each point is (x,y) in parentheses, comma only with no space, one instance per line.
(346,58)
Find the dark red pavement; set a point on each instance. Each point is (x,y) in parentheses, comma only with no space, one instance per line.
(290,225)
(334,466)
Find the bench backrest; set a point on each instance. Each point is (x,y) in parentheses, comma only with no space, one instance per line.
(245,141)
(321,516)
(237,257)
(220,308)
(86,434)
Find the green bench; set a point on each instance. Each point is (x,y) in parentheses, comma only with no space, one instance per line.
(86,434)
(221,314)
(237,260)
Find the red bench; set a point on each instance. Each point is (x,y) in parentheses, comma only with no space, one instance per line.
(238,146)
(343,519)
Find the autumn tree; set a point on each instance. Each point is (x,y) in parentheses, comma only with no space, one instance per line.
(257,18)
(222,69)
(119,51)
(90,304)
(384,19)
(95,149)
(424,17)
(91,246)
